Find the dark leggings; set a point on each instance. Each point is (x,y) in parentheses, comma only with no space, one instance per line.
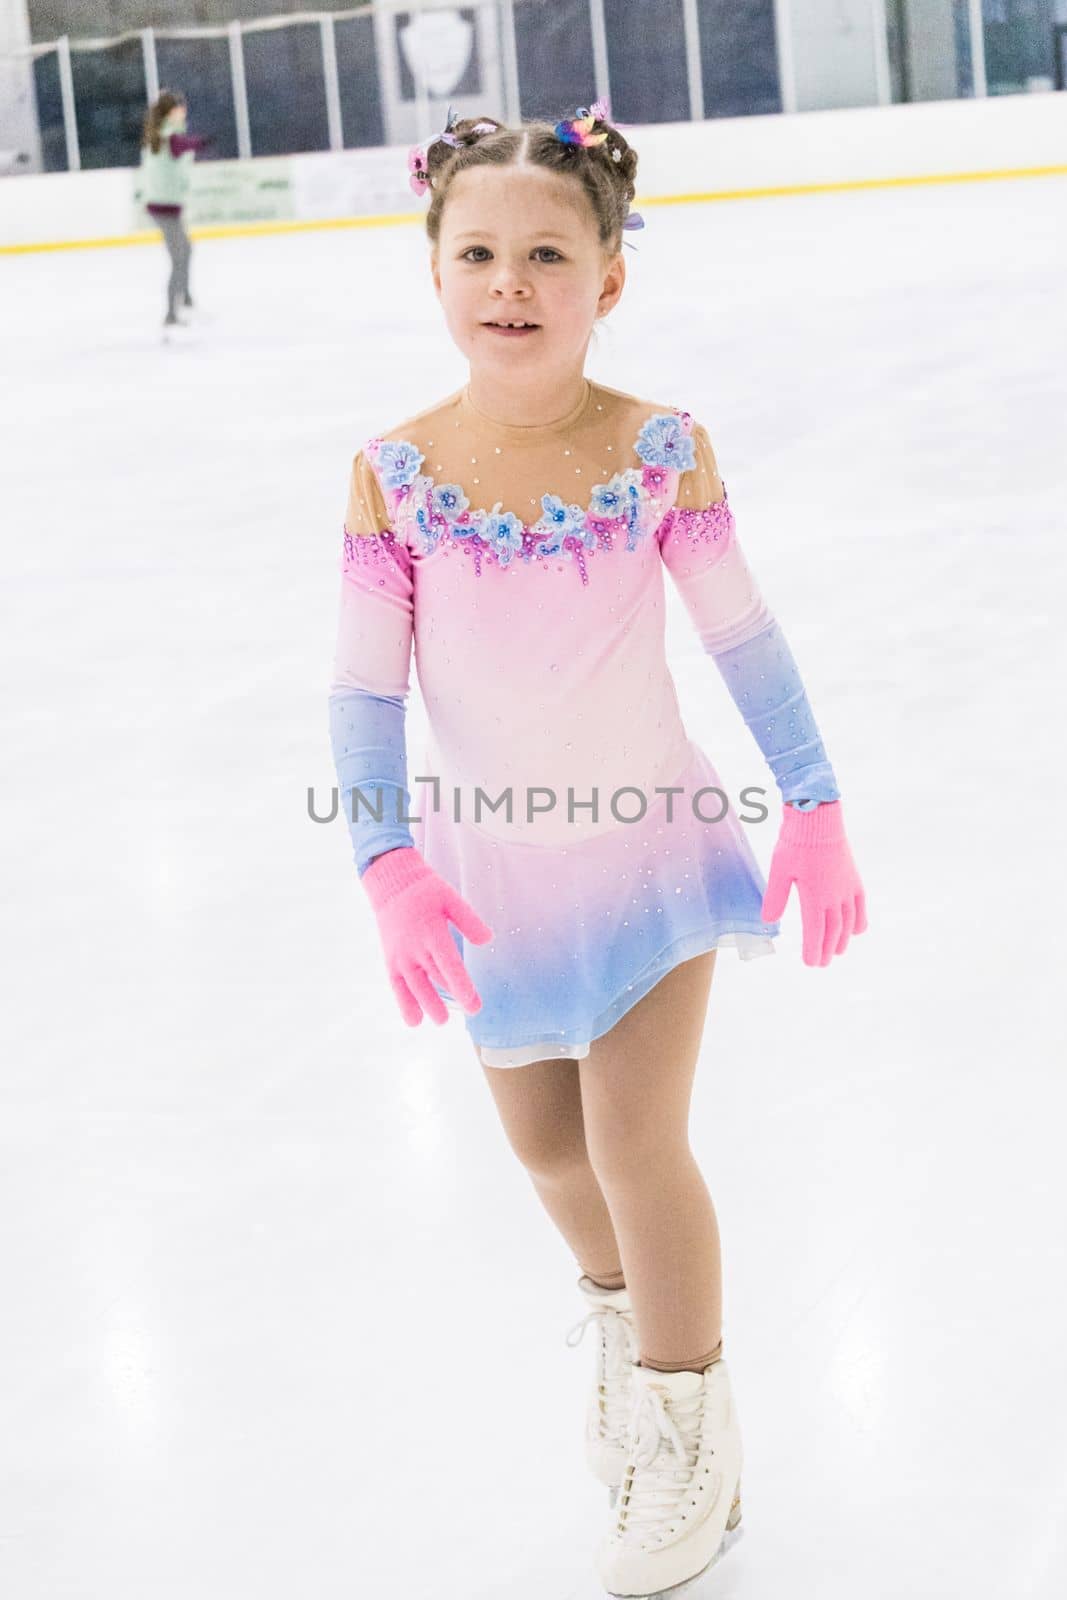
(177,242)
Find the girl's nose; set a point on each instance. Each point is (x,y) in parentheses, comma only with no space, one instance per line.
(510,280)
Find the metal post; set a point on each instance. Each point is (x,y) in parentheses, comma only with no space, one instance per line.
(880,37)
(691,20)
(783,44)
(151,64)
(70,115)
(240,91)
(599,33)
(978,73)
(332,82)
(510,56)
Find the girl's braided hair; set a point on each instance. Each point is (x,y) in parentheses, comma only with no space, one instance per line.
(587,148)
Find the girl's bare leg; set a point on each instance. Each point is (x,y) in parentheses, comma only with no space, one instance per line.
(636,1086)
(606,1144)
(540,1106)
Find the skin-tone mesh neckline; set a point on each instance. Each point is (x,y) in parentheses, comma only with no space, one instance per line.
(517,431)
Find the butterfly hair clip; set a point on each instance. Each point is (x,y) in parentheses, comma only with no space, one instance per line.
(418,172)
(579,130)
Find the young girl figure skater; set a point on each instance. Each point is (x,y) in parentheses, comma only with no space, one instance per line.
(573,866)
(167,154)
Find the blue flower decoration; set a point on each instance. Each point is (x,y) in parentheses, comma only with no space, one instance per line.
(449,500)
(560,521)
(420,500)
(475,528)
(467,530)
(398,463)
(615,499)
(552,544)
(431,510)
(503,533)
(663,442)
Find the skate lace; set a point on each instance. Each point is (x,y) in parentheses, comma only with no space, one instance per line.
(665,1438)
(616,1357)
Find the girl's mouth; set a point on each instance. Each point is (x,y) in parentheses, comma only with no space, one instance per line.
(510,330)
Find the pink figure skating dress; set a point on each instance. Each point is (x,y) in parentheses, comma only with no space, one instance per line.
(526,567)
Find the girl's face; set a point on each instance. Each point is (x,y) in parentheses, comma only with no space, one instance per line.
(175,119)
(522,244)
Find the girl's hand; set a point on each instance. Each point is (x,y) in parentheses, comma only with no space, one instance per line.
(414,905)
(813,853)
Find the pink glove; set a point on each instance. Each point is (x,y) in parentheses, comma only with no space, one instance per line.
(813,853)
(413,905)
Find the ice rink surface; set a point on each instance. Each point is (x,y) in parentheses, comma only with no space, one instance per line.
(282,1315)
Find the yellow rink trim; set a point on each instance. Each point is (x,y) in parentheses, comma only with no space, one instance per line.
(243,230)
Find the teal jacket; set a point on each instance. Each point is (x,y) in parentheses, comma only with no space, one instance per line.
(166,172)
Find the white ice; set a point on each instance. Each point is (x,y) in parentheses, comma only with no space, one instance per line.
(282,1315)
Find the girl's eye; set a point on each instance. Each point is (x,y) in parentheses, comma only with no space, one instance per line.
(484,249)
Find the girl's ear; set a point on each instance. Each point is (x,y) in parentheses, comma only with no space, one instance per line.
(614,279)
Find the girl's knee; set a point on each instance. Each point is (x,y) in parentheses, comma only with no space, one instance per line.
(633,1159)
(550,1155)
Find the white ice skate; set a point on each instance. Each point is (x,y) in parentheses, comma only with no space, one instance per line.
(610,1400)
(178,332)
(680,1503)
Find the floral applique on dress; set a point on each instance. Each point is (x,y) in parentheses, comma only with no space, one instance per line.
(630,503)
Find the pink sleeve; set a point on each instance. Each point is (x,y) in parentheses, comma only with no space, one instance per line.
(699,545)
(376,624)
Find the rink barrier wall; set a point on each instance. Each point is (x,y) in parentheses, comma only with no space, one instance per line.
(813,152)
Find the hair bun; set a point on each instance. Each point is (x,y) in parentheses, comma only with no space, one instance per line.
(426,161)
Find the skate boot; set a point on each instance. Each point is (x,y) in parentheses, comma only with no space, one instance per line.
(610,1400)
(176,330)
(193,313)
(680,1503)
